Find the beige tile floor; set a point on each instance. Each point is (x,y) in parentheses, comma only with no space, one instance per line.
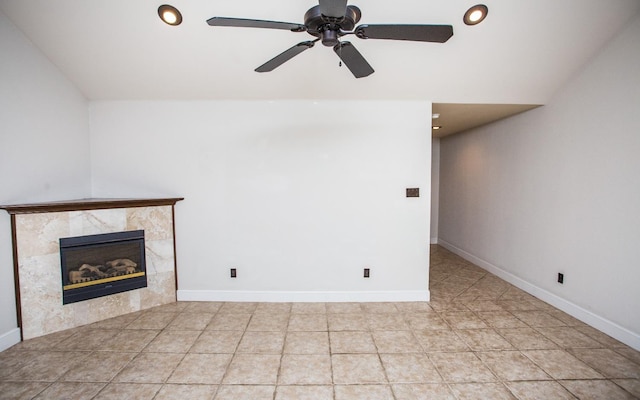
(479,338)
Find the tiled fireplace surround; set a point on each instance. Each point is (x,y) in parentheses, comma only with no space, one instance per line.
(36,230)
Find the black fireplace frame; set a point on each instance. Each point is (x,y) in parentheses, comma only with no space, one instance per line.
(98,246)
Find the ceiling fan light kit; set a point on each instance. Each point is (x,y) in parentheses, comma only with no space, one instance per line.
(169,15)
(475,14)
(328,22)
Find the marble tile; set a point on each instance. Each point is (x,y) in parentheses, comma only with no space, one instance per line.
(262,343)
(386,322)
(630,385)
(561,365)
(130,340)
(47,366)
(463,320)
(344,308)
(363,392)
(484,339)
(308,322)
(98,367)
(357,369)
(461,367)
(484,305)
(171,307)
(38,233)
(268,322)
(596,389)
(352,342)
(539,390)
(138,371)
(305,370)
(537,319)
(306,343)
(423,392)
(608,362)
(170,341)
(119,322)
(253,369)
(501,319)
(512,366)
(245,392)
(92,222)
(21,390)
(347,322)
(396,342)
(425,320)
(631,354)
(309,308)
(527,339)
(440,340)
(229,322)
(493,391)
(409,368)
(153,320)
(191,321)
(201,369)
(159,256)
(119,391)
(238,308)
(155,220)
(306,392)
(414,307)
(71,390)
(568,337)
(45,342)
(273,308)
(183,392)
(380,308)
(217,342)
(595,334)
(14,359)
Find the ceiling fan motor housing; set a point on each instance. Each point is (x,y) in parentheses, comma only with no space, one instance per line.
(329,29)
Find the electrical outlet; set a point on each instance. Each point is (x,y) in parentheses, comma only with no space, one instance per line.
(367,272)
(413,192)
(560,277)
(234,274)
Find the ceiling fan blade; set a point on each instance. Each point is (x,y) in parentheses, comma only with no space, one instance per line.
(420,33)
(352,58)
(285,56)
(333,8)
(255,23)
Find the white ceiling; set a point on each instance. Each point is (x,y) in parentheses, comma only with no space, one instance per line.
(119,49)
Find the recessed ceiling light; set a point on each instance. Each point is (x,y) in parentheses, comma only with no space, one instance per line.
(435,115)
(475,14)
(436,127)
(169,14)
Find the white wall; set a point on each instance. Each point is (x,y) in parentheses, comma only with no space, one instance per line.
(44,146)
(557,189)
(299,196)
(435,188)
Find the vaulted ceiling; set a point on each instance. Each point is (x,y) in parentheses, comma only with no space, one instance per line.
(119,49)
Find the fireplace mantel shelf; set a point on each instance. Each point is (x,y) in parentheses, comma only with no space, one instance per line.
(87,204)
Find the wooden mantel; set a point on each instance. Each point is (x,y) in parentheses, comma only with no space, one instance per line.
(87,204)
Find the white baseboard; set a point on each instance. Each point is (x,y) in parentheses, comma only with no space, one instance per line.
(9,339)
(434,240)
(612,329)
(312,296)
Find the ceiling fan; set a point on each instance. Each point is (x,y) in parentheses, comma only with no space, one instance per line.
(328,22)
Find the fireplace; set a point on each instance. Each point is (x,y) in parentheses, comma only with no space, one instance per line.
(101,265)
